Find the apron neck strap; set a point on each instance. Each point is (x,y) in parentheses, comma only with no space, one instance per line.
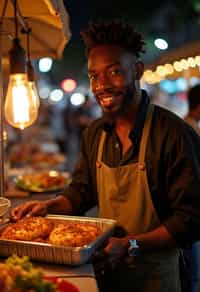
(145,133)
(144,138)
(100,148)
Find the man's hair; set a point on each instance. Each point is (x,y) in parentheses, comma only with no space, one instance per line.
(194,97)
(114,32)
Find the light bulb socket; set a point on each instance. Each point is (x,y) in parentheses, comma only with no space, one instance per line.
(30,71)
(17,58)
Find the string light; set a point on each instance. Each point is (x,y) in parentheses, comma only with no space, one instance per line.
(162,71)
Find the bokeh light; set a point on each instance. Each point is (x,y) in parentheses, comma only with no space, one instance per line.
(56,95)
(45,64)
(77,99)
(68,85)
(161,44)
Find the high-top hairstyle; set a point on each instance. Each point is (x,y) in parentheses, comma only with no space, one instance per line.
(113,33)
(194,97)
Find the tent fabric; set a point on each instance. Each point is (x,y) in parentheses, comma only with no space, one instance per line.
(49,23)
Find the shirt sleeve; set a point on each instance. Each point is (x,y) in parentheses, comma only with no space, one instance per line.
(183,186)
(80,192)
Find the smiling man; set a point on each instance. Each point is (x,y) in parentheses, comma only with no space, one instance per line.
(139,163)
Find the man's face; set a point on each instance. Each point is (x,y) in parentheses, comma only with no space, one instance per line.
(111,72)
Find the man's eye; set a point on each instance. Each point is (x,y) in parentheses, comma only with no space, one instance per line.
(116,72)
(92,77)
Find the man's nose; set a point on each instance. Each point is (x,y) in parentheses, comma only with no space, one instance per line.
(103,82)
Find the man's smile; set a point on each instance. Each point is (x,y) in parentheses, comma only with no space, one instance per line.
(106,101)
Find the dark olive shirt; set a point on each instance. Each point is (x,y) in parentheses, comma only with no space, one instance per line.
(173,169)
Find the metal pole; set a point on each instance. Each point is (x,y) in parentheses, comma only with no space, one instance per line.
(2,174)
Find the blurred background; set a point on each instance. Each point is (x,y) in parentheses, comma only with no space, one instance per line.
(171,29)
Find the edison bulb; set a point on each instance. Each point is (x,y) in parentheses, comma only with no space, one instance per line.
(34,92)
(21,108)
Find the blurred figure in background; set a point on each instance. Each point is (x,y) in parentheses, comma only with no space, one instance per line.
(193,118)
(85,114)
(75,120)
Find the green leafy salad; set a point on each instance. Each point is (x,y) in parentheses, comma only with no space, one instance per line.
(18,275)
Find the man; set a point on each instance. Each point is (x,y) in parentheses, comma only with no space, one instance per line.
(138,163)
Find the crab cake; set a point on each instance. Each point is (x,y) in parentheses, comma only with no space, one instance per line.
(73,234)
(28,229)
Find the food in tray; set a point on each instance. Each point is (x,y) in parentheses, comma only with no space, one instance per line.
(19,275)
(32,228)
(43,181)
(73,234)
(39,229)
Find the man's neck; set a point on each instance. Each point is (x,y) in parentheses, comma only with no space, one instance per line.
(127,120)
(193,116)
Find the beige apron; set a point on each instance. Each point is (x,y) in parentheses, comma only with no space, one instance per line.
(124,195)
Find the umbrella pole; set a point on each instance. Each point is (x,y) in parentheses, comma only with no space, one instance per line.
(2,174)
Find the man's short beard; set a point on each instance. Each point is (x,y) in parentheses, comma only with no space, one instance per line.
(110,117)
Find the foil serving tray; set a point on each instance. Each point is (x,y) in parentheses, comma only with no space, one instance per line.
(45,252)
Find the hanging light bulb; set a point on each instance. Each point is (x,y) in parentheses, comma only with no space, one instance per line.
(21,109)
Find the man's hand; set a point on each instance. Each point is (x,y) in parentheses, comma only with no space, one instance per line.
(28,209)
(117,248)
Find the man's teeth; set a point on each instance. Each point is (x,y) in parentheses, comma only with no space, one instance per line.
(107,100)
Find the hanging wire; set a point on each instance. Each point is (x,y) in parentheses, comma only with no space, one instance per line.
(30,70)
(28,43)
(3,11)
(15,19)
(19,16)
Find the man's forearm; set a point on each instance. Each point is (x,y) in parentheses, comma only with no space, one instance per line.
(59,205)
(156,239)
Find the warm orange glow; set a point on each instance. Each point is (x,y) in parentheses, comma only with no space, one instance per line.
(68,85)
(21,107)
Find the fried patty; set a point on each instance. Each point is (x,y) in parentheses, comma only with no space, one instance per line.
(28,229)
(73,234)
(39,229)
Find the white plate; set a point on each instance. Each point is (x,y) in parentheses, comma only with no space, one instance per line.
(38,182)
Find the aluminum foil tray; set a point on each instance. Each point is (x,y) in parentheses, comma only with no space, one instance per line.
(45,252)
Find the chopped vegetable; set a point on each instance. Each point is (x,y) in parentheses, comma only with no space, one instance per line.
(19,275)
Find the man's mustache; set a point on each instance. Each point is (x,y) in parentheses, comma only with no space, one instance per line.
(108,91)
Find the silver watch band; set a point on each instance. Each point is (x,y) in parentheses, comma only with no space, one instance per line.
(133,247)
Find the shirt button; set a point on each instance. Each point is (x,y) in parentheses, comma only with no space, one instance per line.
(142,166)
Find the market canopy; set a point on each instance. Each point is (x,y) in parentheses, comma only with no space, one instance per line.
(49,23)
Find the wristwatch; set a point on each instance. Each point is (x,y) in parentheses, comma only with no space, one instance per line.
(133,247)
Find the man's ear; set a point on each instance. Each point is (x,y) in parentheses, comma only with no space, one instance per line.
(139,69)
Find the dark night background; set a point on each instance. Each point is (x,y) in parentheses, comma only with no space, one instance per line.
(177,21)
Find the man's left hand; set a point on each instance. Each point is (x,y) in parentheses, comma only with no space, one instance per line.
(117,248)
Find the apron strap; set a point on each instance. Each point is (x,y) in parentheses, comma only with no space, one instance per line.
(145,133)
(144,139)
(100,148)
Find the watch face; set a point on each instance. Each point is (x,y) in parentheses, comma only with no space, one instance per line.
(133,243)
(133,247)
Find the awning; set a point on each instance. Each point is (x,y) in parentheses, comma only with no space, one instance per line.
(49,23)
